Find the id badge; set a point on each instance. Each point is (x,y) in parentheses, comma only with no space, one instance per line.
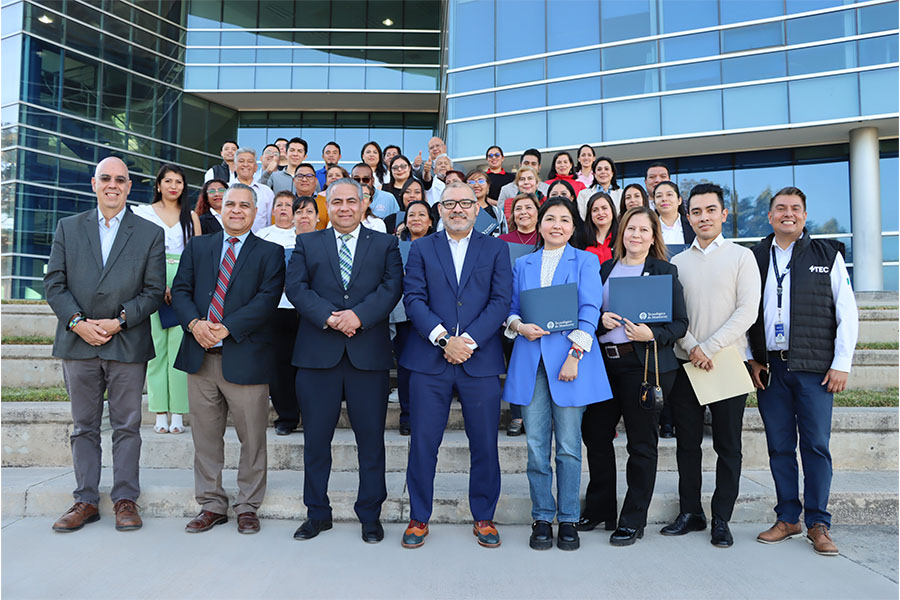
(779,333)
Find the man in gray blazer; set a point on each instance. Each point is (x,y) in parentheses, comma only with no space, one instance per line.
(105,276)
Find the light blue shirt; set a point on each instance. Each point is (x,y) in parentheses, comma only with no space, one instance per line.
(108,232)
(384,204)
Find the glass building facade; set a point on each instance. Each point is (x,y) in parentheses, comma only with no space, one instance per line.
(753,95)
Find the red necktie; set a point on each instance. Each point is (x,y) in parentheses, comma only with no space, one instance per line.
(217,304)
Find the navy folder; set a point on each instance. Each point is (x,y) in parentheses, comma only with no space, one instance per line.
(518,250)
(646,299)
(554,308)
(485,223)
(167,316)
(404,251)
(673,249)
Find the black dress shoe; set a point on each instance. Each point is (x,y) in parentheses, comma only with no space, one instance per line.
(666,431)
(721,535)
(311,528)
(514,429)
(283,429)
(567,537)
(404,428)
(541,536)
(626,536)
(685,523)
(587,524)
(373,532)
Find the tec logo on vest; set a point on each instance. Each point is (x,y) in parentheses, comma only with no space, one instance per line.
(818,269)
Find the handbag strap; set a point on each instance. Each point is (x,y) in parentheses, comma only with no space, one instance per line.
(646,360)
(655,361)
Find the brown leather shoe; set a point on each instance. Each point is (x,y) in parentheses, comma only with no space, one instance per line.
(205,521)
(248,522)
(779,532)
(76,517)
(818,536)
(127,517)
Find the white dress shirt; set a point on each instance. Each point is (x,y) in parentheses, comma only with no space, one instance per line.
(108,232)
(846,313)
(712,245)
(265,198)
(673,234)
(458,249)
(351,243)
(286,238)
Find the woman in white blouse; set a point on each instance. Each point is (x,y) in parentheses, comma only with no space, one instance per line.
(167,386)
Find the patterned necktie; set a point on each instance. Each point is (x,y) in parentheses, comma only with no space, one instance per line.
(345,259)
(217,304)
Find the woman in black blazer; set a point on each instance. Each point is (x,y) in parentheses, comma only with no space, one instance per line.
(639,250)
(209,204)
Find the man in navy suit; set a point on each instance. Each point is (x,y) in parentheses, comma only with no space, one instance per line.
(344,281)
(225,294)
(457,291)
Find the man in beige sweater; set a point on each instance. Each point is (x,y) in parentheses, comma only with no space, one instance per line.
(721,290)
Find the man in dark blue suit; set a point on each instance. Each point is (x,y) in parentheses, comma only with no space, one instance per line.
(457,291)
(344,281)
(225,294)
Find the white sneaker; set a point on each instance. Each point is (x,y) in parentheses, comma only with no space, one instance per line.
(394,396)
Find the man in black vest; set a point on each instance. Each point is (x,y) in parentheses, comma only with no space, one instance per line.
(802,345)
(226,170)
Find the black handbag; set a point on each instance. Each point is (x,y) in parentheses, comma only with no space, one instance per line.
(651,395)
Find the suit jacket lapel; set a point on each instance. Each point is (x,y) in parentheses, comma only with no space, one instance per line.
(472,251)
(92,232)
(122,235)
(330,242)
(565,267)
(532,270)
(362,246)
(242,258)
(442,249)
(218,239)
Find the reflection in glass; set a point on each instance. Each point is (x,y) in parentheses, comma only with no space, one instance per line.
(574,126)
(572,24)
(689,46)
(534,96)
(629,55)
(878,92)
(753,189)
(520,72)
(694,112)
(629,84)
(521,29)
(690,76)
(832,57)
(576,90)
(735,11)
(623,20)
(824,98)
(470,138)
(753,68)
(820,27)
(827,189)
(756,105)
(880,17)
(520,132)
(471,106)
(631,119)
(752,37)
(680,15)
(575,63)
(877,51)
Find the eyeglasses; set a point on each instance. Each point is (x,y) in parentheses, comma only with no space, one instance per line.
(494,155)
(304,175)
(215,191)
(481,181)
(366,180)
(451,204)
(400,167)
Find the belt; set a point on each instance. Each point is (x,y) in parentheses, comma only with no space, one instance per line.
(216,350)
(617,350)
(781,355)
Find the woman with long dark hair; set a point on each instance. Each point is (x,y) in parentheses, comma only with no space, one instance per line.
(167,386)
(633,195)
(371,155)
(584,172)
(207,214)
(603,179)
(600,226)
(412,191)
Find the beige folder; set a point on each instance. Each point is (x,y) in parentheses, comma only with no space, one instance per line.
(728,378)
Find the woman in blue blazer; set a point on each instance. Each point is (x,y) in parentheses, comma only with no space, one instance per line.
(569,375)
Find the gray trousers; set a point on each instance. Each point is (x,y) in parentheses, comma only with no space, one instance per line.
(86,381)
(211,398)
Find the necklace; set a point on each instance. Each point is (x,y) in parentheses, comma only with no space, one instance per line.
(531,238)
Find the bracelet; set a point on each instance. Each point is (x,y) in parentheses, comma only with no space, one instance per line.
(191,325)
(576,353)
(76,319)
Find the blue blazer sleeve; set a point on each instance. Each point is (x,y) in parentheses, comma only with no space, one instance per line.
(590,292)
(517,277)
(493,315)
(415,292)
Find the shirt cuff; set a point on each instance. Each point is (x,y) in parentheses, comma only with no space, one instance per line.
(582,338)
(473,345)
(842,363)
(436,333)
(509,332)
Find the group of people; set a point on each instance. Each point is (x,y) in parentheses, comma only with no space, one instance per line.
(307,286)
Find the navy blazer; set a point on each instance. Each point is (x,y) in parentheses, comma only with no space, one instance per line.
(250,301)
(666,334)
(478,304)
(315,289)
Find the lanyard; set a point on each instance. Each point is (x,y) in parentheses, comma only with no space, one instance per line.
(779,278)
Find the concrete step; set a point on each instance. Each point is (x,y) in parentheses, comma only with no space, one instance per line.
(861,439)
(856,497)
(27,320)
(878,325)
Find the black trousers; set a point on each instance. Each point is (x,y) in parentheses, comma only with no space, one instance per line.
(598,428)
(321,393)
(283,389)
(727,422)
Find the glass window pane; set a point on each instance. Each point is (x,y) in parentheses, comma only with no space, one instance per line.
(520,72)
(80,80)
(689,76)
(756,106)
(820,27)
(889,194)
(572,24)
(12,18)
(575,63)
(878,92)
(516,23)
(798,6)
(623,20)
(517,133)
(629,84)
(200,55)
(681,15)
(534,96)
(472,32)
(273,78)
(467,81)
(235,78)
(273,55)
(752,37)
(735,11)
(827,189)
(631,119)
(753,68)
(11,50)
(629,55)
(878,51)
(689,46)
(688,113)
(832,57)
(347,78)
(753,188)
(577,90)
(420,79)
(237,55)
(384,78)
(824,98)
(309,78)
(574,126)
(877,18)
(471,106)
(470,138)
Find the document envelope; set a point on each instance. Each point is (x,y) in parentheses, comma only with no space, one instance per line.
(728,378)
(554,308)
(485,223)
(517,251)
(646,299)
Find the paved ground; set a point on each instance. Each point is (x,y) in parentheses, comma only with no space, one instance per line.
(161,561)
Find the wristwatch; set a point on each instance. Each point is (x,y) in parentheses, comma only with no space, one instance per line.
(121,319)
(576,353)
(443,341)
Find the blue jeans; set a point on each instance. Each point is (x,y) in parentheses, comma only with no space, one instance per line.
(796,402)
(543,419)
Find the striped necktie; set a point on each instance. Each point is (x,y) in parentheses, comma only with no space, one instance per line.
(345,259)
(217,304)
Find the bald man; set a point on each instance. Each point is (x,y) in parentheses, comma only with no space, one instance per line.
(436,147)
(105,276)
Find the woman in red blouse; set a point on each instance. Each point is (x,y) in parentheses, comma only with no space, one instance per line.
(601,226)
(563,169)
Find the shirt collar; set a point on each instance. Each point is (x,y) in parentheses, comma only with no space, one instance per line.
(465,239)
(117,218)
(713,244)
(241,238)
(354,233)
